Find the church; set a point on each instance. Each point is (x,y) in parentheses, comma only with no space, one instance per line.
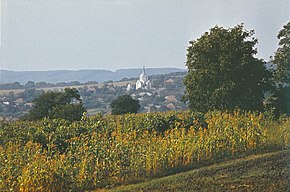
(143,82)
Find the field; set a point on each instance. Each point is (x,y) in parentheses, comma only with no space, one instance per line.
(102,152)
(16,91)
(266,172)
(7,91)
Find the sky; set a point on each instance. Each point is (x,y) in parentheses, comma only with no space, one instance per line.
(116,34)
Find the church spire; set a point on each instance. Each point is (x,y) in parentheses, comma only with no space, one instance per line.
(143,82)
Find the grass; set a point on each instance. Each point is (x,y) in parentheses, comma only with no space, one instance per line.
(95,111)
(266,172)
(7,91)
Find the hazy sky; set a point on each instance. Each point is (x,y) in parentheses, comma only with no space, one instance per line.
(114,34)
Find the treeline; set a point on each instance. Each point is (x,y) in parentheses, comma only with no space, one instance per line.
(224,73)
(32,85)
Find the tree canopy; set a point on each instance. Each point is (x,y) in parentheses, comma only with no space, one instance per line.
(223,73)
(66,105)
(281,72)
(124,104)
(282,57)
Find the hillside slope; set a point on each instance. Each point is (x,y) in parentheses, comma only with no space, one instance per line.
(267,172)
(78,75)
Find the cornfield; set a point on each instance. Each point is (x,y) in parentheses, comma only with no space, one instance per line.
(54,155)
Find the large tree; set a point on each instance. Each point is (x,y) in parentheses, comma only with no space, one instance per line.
(281,71)
(66,105)
(124,104)
(223,73)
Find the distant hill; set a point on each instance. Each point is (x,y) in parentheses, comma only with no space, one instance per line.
(78,75)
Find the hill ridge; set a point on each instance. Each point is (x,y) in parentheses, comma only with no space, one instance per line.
(82,75)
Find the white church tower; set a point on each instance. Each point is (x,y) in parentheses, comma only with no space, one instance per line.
(143,82)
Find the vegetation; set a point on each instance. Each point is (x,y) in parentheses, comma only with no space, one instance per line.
(67,105)
(223,73)
(57,153)
(124,104)
(267,172)
(97,98)
(54,155)
(33,85)
(281,72)
(282,57)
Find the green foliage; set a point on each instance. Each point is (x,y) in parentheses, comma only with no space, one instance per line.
(282,57)
(66,105)
(278,102)
(54,155)
(243,174)
(223,73)
(281,72)
(124,104)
